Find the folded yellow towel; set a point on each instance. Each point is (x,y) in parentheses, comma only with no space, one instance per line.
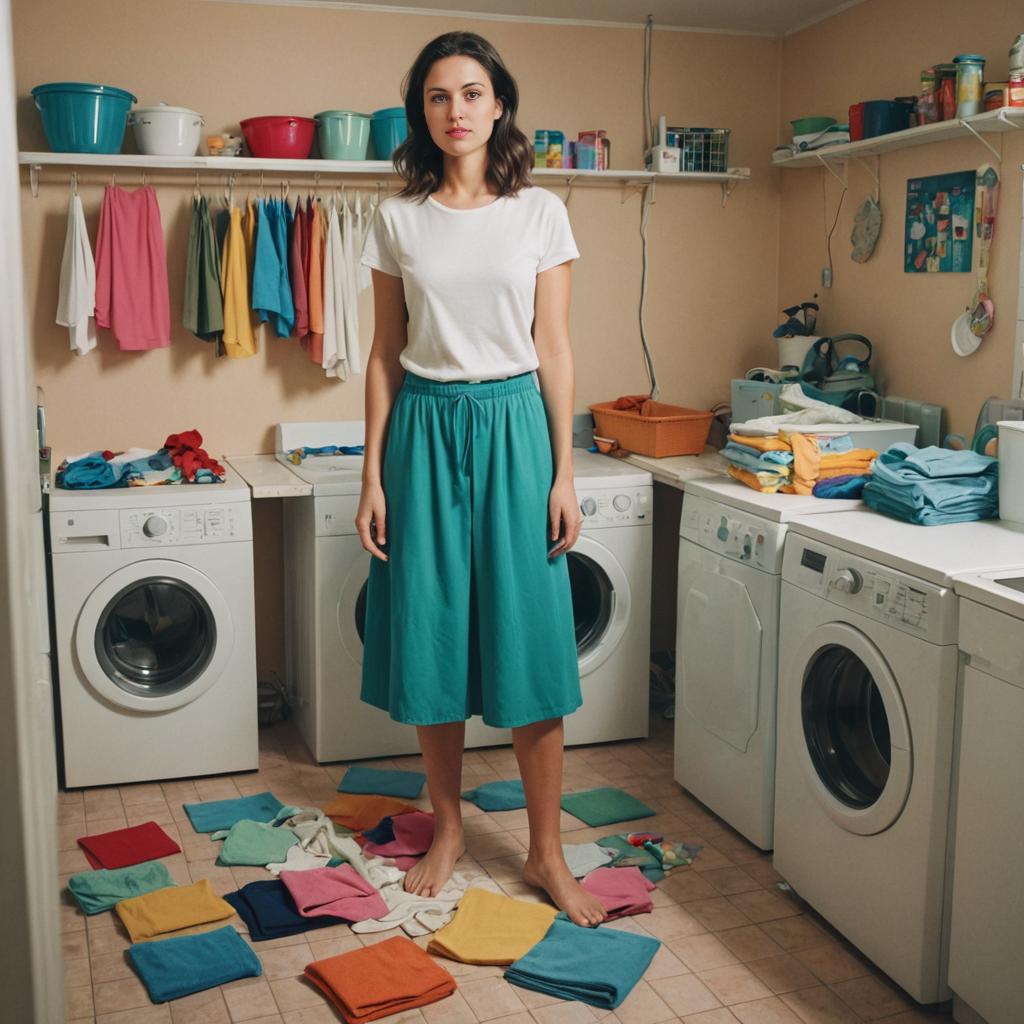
(171,909)
(762,444)
(766,483)
(492,929)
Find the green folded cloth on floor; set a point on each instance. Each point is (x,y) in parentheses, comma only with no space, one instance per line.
(172,968)
(598,966)
(599,807)
(381,782)
(506,795)
(97,891)
(255,843)
(648,864)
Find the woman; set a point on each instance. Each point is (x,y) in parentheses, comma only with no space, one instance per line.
(468,468)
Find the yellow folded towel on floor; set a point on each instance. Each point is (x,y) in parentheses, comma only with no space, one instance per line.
(492,929)
(170,910)
(766,483)
(762,444)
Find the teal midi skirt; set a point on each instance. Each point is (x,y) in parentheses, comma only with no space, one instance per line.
(469,615)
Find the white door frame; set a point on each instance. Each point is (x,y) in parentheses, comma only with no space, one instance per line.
(31,970)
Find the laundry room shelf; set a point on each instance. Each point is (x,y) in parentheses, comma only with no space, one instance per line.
(1006,119)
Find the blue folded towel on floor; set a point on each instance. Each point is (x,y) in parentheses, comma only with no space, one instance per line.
(172,968)
(97,891)
(268,911)
(380,782)
(506,795)
(214,815)
(598,966)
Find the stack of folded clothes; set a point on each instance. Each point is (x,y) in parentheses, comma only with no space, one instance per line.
(932,486)
(763,463)
(821,457)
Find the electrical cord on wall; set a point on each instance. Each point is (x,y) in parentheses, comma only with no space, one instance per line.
(645,205)
(831,230)
(648,123)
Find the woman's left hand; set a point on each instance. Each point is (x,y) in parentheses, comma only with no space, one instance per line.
(563,516)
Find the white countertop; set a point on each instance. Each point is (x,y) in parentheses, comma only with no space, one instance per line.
(267,478)
(675,470)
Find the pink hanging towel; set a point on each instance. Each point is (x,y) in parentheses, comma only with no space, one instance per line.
(131,270)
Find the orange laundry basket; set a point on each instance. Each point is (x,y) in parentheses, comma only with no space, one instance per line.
(654,428)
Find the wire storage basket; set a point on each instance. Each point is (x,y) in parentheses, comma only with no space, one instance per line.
(702,149)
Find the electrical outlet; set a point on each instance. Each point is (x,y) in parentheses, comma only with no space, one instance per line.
(826,277)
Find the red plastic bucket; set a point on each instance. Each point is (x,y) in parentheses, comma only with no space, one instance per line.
(281,138)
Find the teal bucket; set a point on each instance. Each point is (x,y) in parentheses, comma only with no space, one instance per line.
(388,129)
(82,118)
(343,134)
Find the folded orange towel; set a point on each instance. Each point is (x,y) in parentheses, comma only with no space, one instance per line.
(357,811)
(170,910)
(385,978)
(810,466)
(762,444)
(768,485)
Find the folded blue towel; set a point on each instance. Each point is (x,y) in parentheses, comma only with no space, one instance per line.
(215,815)
(358,779)
(759,463)
(850,485)
(97,891)
(782,458)
(172,968)
(506,795)
(268,911)
(598,966)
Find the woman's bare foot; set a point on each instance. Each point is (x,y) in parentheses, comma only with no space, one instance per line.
(557,881)
(431,875)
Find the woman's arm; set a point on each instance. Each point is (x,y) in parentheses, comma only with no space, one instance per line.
(384,375)
(557,385)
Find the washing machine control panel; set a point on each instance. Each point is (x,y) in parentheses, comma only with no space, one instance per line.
(737,535)
(613,507)
(199,524)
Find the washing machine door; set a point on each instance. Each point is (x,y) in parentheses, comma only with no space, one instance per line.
(352,607)
(600,602)
(153,636)
(856,738)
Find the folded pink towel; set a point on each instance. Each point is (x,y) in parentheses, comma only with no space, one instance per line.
(622,891)
(334,892)
(414,832)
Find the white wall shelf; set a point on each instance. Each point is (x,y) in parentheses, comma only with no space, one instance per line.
(375,169)
(1006,119)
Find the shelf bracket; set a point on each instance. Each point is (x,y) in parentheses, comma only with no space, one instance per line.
(988,145)
(841,178)
(727,189)
(1003,119)
(568,188)
(873,174)
(33,179)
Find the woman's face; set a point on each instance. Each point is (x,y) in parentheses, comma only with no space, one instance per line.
(459,105)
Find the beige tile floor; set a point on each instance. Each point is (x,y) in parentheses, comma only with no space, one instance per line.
(734,947)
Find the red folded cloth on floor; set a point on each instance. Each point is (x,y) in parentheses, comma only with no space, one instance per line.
(334,892)
(622,891)
(414,832)
(383,979)
(126,846)
(185,453)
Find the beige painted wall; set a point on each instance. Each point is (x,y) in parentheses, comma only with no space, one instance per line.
(712,286)
(876,51)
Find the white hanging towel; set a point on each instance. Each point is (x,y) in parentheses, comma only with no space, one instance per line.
(76,304)
(353,246)
(364,276)
(334,358)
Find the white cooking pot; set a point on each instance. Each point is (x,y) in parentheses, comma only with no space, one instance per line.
(166,131)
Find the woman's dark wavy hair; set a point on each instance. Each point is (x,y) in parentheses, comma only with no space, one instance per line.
(419,161)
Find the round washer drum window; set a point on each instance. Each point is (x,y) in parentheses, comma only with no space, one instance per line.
(591,600)
(846,727)
(155,637)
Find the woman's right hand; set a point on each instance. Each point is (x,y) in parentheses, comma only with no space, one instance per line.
(371,519)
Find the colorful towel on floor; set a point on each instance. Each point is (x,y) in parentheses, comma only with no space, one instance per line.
(358,779)
(356,811)
(380,980)
(598,966)
(254,843)
(268,911)
(505,795)
(644,859)
(622,891)
(334,892)
(96,891)
(582,858)
(215,815)
(492,929)
(172,968)
(170,910)
(604,806)
(419,915)
(412,835)
(126,846)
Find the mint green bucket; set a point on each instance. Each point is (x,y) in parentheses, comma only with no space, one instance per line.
(343,134)
(388,129)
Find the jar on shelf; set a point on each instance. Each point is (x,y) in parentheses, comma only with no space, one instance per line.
(946,88)
(970,74)
(1015,88)
(1017,54)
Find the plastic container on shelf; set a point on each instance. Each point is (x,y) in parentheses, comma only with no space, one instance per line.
(388,129)
(970,75)
(856,116)
(79,117)
(656,428)
(343,134)
(279,137)
(166,131)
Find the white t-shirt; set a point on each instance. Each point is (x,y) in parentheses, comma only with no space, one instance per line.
(469,278)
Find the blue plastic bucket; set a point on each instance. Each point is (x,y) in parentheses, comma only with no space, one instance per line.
(388,129)
(82,118)
(343,134)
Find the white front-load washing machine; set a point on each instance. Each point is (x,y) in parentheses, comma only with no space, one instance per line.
(326,571)
(155,631)
(868,686)
(727,630)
